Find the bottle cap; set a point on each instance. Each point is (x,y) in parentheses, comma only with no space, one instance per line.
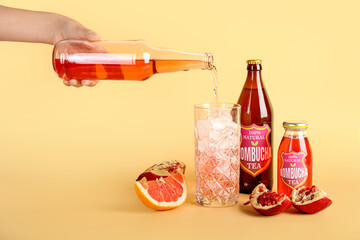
(254,61)
(295,124)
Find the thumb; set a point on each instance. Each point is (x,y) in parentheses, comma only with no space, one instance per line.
(88,34)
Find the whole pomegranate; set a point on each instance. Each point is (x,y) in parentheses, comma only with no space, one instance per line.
(267,202)
(310,199)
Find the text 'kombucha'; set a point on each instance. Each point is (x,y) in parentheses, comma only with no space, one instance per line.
(256,131)
(294,158)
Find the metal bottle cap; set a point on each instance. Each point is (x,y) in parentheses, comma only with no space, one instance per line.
(254,61)
(295,124)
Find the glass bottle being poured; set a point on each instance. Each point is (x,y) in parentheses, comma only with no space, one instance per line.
(121,60)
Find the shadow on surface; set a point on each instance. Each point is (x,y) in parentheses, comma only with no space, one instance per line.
(134,207)
(248,210)
(293,210)
(191,198)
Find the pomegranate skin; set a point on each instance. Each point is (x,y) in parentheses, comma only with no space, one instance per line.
(261,191)
(314,207)
(283,206)
(149,176)
(162,170)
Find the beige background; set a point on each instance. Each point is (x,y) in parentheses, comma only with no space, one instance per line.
(69,157)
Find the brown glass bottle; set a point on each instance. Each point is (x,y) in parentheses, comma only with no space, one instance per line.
(256,131)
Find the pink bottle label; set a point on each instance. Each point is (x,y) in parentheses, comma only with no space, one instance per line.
(293,171)
(255,149)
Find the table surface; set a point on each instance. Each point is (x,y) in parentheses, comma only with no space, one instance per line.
(69,157)
(37,217)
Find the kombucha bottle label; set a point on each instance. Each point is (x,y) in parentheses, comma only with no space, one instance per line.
(293,171)
(255,148)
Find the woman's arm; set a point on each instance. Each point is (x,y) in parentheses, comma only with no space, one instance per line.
(40,27)
(43,27)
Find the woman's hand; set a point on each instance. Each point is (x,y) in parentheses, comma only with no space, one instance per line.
(43,27)
(67,28)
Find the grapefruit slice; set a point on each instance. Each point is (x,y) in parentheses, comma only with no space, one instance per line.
(163,192)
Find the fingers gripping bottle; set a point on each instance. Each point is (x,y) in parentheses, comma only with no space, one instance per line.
(256,131)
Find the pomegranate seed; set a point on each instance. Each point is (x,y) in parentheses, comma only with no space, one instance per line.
(302,190)
(270,198)
(307,193)
(312,197)
(298,199)
(314,188)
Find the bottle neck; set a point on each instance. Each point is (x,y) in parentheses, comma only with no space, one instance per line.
(253,75)
(295,133)
(170,60)
(254,79)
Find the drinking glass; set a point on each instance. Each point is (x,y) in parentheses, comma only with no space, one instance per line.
(217,154)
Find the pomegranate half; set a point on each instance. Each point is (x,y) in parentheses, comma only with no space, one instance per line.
(267,202)
(163,169)
(310,199)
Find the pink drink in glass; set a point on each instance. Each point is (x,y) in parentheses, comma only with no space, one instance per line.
(217,159)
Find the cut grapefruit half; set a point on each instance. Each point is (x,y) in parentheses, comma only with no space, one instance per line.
(162,193)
